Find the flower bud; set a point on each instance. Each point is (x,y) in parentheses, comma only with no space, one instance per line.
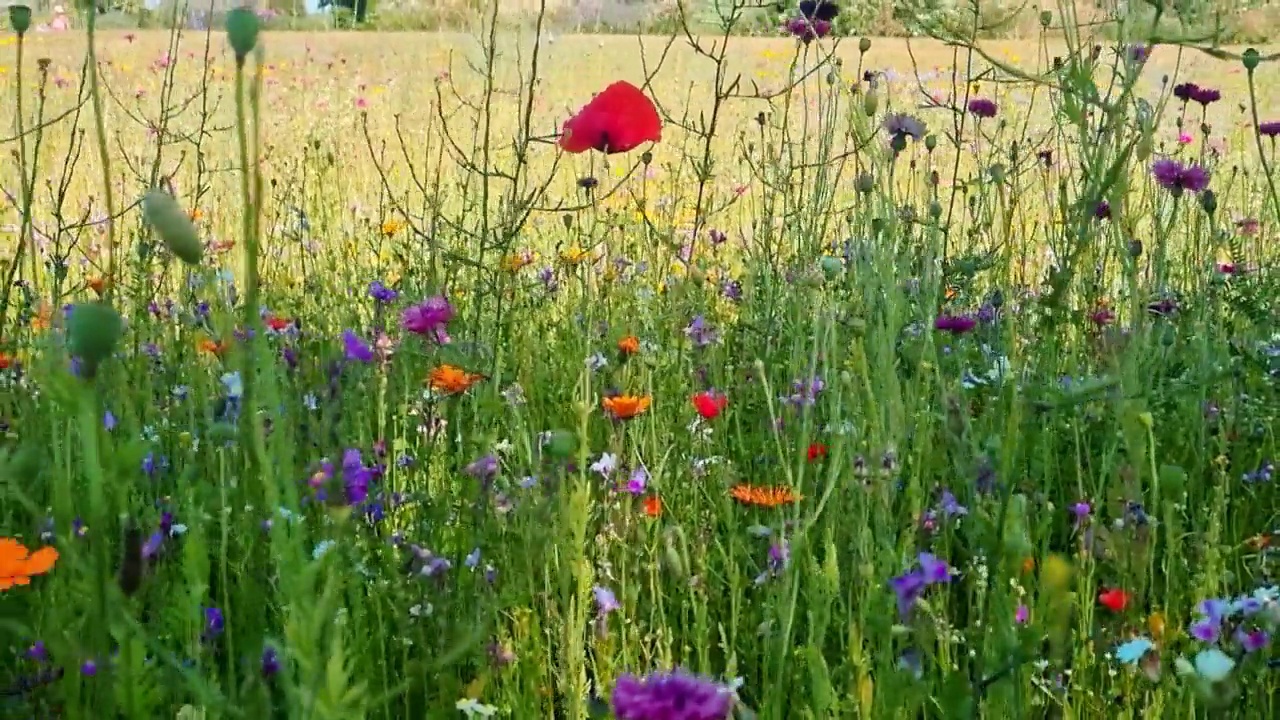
(865,183)
(173,226)
(870,103)
(1209,201)
(1046,18)
(864,45)
(930,142)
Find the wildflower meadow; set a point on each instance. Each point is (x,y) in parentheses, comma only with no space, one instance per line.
(512,372)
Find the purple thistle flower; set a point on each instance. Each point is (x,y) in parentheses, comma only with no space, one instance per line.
(1269,129)
(982,107)
(675,695)
(805,30)
(904,126)
(356,349)
(1177,178)
(1185,91)
(1205,96)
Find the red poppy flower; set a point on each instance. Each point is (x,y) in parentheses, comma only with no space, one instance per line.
(817,451)
(709,404)
(617,120)
(1114,599)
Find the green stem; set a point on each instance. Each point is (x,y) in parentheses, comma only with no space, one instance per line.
(104,157)
(1262,156)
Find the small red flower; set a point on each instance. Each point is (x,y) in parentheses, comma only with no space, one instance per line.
(709,404)
(1114,599)
(619,119)
(817,451)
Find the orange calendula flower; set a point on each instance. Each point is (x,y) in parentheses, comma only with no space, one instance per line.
(626,407)
(99,284)
(452,380)
(629,345)
(18,564)
(211,346)
(763,495)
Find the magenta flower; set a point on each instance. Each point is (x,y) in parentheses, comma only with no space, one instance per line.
(1270,129)
(676,695)
(982,107)
(1177,178)
(955,324)
(430,318)
(807,31)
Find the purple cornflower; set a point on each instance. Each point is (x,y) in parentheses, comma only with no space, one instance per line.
(700,332)
(356,478)
(1252,640)
(638,480)
(430,318)
(88,668)
(1177,178)
(1138,53)
(675,695)
(731,289)
(1185,91)
(955,324)
(909,586)
(1269,129)
(1205,630)
(355,348)
(381,293)
(935,571)
(982,107)
(38,652)
(949,506)
(214,623)
(1102,210)
(1081,511)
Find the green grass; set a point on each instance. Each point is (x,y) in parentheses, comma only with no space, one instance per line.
(775,251)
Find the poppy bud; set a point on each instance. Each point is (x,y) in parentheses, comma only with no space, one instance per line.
(865,183)
(870,103)
(1046,18)
(1250,59)
(92,331)
(1135,248)
(567,219)
(760,119)
(864,45)
(930,142)
(935,209)
(1209,202)
(20,19)
(242,32)
(172,225)
(646,157)
(562,444)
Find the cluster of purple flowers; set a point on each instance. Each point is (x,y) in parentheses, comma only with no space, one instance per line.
(1191,92)
(676,695)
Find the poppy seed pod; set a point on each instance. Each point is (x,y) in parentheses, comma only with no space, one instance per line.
(92,332)
(1209,202)
(242,32)
(173,226)
(1251,59)
(20,19)
(865,183)
(1046,18)
(864,45)
(930,142)
(870,103)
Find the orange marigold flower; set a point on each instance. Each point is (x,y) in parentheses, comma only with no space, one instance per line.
(452,380)
(626,407)
(629,345)
(391,227)
(653,506)
(18,564)
(763,495)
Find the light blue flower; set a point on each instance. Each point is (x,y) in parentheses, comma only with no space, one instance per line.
(1134,650)
(1213,665)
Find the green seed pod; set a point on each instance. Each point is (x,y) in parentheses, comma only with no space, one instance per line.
(1046,18)
(173,226)
(93,331)
(930,142)
(20,19)
(562,444)
(865,183)
(242,32)
(864,45)
(1209,201)
(1250,59)
(870,103)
